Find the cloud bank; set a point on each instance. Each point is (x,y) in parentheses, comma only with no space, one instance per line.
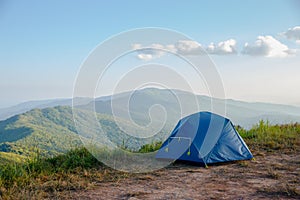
(184,47)
(265,46)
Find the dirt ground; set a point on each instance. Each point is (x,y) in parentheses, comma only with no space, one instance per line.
(268,176)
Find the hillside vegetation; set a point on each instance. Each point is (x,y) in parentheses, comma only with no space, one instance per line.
(52,131)
(49,131)
(58,176)
(6,157)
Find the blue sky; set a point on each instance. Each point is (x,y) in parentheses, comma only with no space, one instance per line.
(43,43)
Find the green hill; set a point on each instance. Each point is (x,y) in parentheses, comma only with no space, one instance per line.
(49,131)
(52,131)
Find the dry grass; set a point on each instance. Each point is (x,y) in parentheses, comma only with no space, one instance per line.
(54,177)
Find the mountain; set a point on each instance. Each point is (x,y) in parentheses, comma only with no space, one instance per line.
(241,113)
(6,113)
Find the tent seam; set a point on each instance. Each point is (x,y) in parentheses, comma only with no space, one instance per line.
(242,141)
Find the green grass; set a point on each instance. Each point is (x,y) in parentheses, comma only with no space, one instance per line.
(154,146)
(264,136)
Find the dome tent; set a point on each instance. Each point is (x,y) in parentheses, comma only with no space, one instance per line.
(206,138)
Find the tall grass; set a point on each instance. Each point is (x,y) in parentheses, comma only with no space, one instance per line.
(264,136)
(47,177)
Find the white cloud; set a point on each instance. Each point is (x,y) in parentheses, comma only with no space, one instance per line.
(226,47)
(150,52)
(267,46)
(184,47)
(145,57)
(293,34)
(189,47)
(171,48)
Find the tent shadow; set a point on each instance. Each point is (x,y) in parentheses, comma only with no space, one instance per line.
(190,164)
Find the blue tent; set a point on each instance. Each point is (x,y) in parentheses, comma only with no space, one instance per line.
(205,138)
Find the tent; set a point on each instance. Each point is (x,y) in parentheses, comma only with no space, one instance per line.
(206,138)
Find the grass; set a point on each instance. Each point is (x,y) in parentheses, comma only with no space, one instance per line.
(264,136)
(7,157)
(78,169)
(150,147)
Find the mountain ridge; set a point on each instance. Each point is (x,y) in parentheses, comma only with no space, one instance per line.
(8,112)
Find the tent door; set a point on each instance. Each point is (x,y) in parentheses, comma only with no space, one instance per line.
(177,146)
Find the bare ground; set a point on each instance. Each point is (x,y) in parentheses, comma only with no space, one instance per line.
(268,176)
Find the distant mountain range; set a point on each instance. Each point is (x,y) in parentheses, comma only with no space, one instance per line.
(241,113)
(6,113)
(48,126)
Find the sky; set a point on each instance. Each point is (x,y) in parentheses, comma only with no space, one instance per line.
(254,44)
